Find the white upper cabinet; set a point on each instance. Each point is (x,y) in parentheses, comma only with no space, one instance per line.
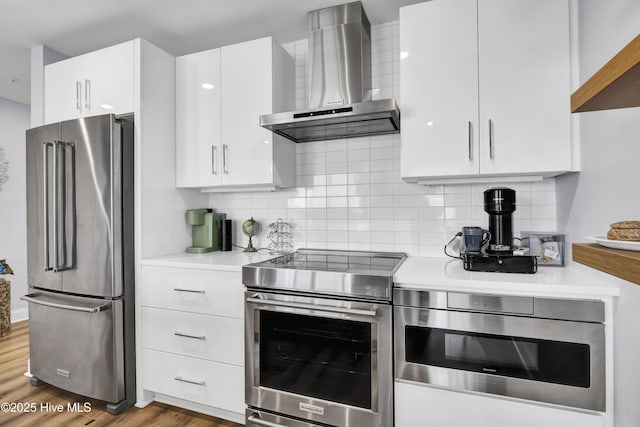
(99,82)
(485,89)
(198,153)
(220,144)
(439,88)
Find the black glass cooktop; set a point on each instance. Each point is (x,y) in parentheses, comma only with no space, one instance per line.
(355,262)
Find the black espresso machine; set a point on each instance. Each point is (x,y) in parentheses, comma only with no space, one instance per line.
(493,250)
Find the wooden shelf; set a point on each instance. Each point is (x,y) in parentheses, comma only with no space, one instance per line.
(617,262)
(615,85)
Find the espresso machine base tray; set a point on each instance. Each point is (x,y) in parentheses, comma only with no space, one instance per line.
(499,263)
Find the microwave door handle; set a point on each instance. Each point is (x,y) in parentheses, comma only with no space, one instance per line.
(253,418)
(373,312)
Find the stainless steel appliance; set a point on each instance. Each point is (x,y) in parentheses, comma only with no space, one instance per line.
(80,257)
(340,96)
(500,204)
(547,350)
(318,339)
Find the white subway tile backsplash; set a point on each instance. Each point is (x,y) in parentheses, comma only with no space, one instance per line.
(381,213)
(381,177)
(316,202)
(337,190)
(359,178)
(358,213)
(319,191)
(337,202)
(337,179)
(358,155)
(359,202)
(359,225)
(381,201)
(431,200)
(349,193)
(359,166)
(336,156)
(358,189)
(337,213)
(337,168)
(337,224)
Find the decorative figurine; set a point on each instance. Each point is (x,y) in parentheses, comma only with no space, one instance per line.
(250,228)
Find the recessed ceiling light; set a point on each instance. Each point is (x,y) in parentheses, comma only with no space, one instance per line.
(106,106)
(208,86)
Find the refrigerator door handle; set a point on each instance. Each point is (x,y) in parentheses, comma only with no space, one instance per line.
(45,194)
(32,299)
(55,206)
(67,188)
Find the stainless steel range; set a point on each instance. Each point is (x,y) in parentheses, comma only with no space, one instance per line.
(318,339)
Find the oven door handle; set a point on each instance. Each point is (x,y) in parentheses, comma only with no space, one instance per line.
(260,422)
(373,312)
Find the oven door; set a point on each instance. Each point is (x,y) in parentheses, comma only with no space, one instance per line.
(554,361)
(317,359)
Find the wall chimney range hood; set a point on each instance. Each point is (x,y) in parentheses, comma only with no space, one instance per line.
(339,85)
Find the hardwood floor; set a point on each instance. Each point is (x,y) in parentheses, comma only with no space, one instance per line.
(16,390)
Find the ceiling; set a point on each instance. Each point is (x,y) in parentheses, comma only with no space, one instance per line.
(73,27)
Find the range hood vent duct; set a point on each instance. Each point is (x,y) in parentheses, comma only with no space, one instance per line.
(339,87)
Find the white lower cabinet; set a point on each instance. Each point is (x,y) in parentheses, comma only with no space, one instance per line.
(201,381)
(193,338)
(198,335)
(423,406)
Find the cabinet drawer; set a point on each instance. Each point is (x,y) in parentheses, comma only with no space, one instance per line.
(211,383)
(215,338)
(217,293)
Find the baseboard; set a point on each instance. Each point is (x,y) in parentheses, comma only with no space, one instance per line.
(19,315)
(197,407)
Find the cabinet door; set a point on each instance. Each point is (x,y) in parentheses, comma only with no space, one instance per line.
(109,80)
(63,87)
(453,408)
(198,150)
(439,88)
(246,71)
(524,86)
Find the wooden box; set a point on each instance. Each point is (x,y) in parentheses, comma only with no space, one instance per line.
(5,307)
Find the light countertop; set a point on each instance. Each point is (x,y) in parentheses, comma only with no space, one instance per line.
(437,273)
(447,274)
(219,261)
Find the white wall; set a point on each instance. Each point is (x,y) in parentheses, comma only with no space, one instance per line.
(40,56)
(607,188)
(14,120)
(349,193)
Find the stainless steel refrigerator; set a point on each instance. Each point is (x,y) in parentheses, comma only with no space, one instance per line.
(80,257)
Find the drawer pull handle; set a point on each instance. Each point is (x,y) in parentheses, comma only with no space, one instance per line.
(260,422)
(194,291)
(196,337)
(189,381)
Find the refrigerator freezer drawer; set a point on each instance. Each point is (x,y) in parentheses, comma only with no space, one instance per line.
(76,344)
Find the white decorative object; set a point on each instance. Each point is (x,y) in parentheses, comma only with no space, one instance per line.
(627,245)
(4,169)
(280,236)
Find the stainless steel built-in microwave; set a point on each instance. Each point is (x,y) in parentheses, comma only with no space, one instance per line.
(540,349)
